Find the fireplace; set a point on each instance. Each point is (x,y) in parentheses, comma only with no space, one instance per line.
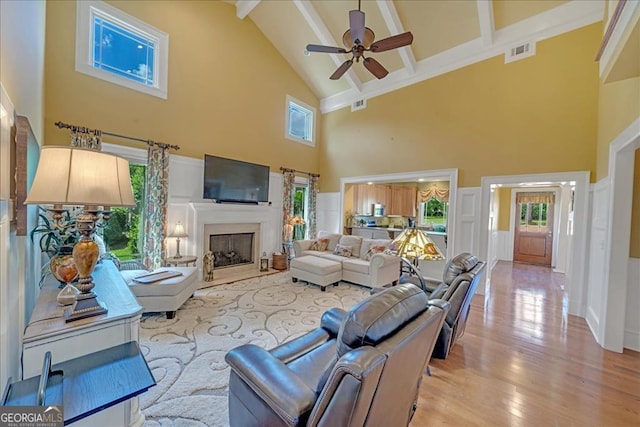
(232,249)
(235,246)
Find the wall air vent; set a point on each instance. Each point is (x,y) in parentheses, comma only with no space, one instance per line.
(359,105)
(520,51)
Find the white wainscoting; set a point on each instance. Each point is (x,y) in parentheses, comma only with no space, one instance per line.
(328,212)
(467,221)
(504,246)
(597,256)
(632,320)
(467,227)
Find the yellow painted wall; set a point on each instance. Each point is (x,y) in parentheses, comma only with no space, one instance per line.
(504,210)
(618,107)
(226,93)
(537,115)
(634,250)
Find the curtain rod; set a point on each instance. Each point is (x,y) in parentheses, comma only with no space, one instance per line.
(317,175)
(75,128)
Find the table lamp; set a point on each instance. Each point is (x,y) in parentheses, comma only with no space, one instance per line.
(296,222)
(413,245)
(178,232)
(76,176)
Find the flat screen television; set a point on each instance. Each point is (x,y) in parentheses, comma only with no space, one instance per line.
(228,180)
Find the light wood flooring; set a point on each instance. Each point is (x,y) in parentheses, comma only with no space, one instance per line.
(523,361)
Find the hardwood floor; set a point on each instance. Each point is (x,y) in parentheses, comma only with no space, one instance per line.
(523,361)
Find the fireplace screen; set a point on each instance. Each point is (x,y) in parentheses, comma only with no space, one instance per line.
(231,250)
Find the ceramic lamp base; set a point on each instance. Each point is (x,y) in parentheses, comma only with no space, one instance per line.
(86,305)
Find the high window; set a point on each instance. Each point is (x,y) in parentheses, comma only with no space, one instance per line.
(114,46)
(300,121)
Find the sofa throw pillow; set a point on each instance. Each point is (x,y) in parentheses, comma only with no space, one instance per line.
(333,238)
(374,249)
(319,245)
(353,241)
(343,250)
(367,243)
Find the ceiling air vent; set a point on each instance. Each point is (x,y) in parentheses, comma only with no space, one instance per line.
(520,51)
(359,104)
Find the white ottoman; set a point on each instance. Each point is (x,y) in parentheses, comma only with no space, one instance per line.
(165,295)
(316,270)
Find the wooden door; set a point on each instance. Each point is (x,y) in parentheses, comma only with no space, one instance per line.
(534,233)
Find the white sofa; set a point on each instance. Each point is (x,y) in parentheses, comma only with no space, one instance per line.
(378,271)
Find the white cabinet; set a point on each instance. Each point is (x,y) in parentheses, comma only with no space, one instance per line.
(48,331)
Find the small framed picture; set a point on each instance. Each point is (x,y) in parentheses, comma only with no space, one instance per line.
(264,264)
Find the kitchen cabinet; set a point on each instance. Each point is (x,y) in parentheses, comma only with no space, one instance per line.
(365,195)
(403,201)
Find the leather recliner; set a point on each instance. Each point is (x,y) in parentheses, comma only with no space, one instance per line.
(460,279)
(359,368)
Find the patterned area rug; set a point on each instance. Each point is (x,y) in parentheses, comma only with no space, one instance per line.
(186,354)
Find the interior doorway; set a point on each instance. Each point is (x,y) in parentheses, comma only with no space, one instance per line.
(533,234)
(576,251)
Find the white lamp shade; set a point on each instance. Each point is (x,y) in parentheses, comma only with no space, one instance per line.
(178,231)
(77,176)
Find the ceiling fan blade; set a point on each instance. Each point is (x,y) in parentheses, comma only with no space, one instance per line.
(341,69)
(392,42)
(356,26)
(325,49)
(375,68)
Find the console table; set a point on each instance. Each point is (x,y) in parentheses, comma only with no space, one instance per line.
(48,331)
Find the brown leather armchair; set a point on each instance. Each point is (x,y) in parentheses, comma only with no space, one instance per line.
(460,279)
(359,368)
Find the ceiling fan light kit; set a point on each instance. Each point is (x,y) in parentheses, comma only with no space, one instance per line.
(359,39)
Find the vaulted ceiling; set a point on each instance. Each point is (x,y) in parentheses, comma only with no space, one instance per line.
(448,34)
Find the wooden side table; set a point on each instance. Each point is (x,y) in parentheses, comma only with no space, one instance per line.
(184,259)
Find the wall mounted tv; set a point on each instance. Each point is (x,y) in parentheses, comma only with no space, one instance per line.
(228,180)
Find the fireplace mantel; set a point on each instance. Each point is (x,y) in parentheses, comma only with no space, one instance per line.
(201,214)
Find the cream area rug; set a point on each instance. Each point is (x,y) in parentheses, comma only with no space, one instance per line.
(186,354)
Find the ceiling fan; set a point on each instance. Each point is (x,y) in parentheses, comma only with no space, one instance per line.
(359,39)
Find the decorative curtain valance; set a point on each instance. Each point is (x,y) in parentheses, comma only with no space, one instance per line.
(427,194)
(535,197)
(86,138)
